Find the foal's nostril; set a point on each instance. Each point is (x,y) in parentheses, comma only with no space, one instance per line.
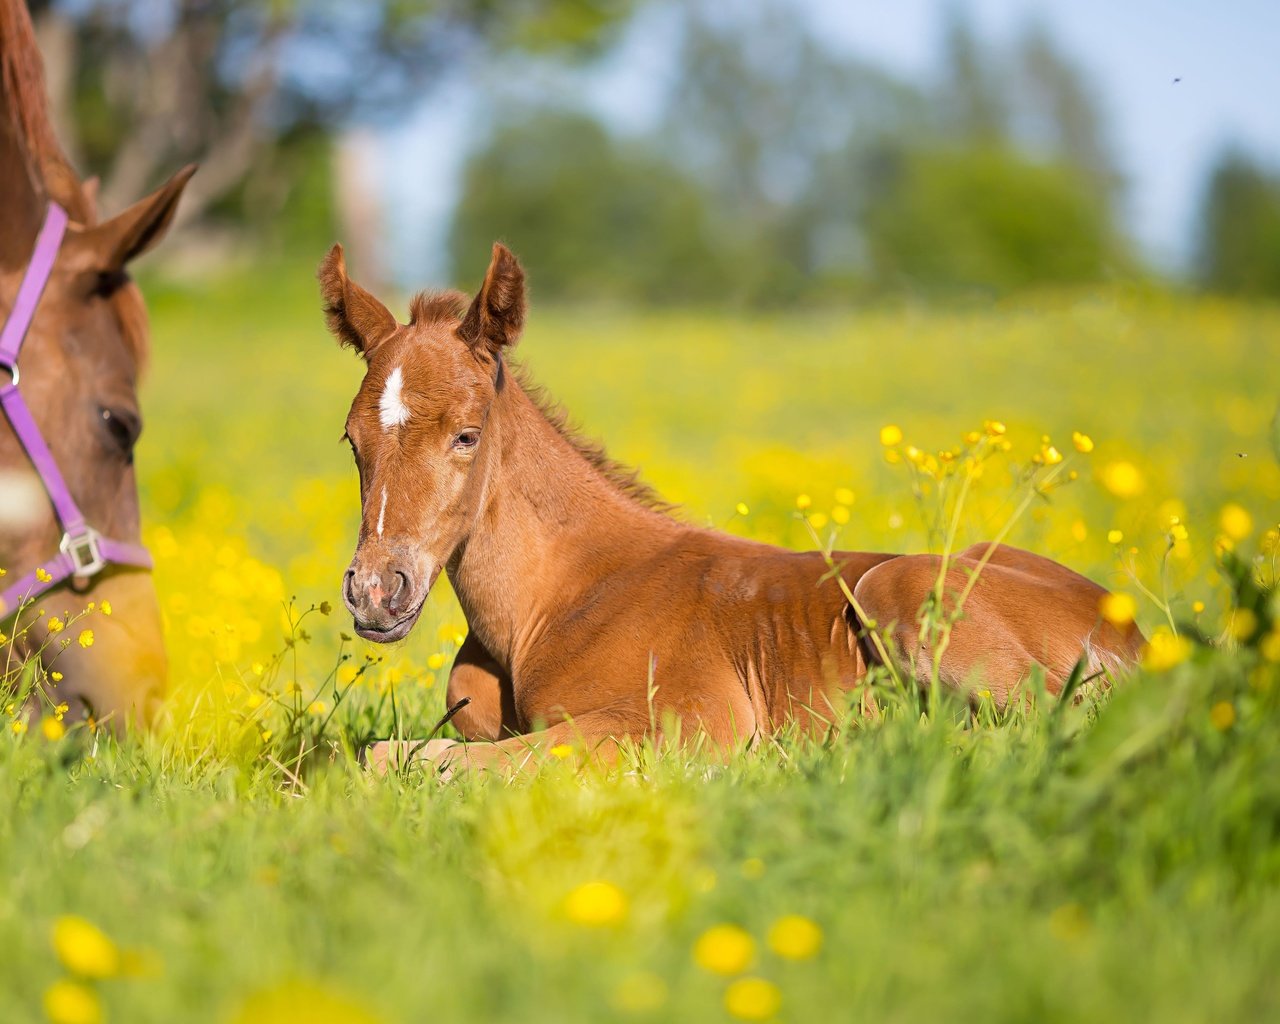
(348,590)
(400,595)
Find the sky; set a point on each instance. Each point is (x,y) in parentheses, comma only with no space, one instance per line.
(1179,79)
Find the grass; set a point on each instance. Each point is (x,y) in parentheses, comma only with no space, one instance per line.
(1111,861)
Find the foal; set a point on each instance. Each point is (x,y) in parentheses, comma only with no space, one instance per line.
(595,615)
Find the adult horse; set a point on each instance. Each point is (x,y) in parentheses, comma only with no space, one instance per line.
(74,341)
(594,614)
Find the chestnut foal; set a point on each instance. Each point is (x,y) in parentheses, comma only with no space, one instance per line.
(593,613)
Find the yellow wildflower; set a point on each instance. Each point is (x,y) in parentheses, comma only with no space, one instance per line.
(106,607)
(724,949)
(803,501)
(1050,455)
(1177,529)
(818,520)
(435,662)
(1223,715)
(1083,442)
(972,437)
(1270,645)
(1118,609)
(1079,530)
(1114,536)
(1164,650)
(56,676)
(1244,623)
(84,948)
(993,428)
(1122,478)
(18,727)
(795,937)
(43,576)
(316,708)
(890,434)
(1236,522)
(742,509)
(753,999)
(55,624)
(1197,607)
(72,1002)
(561,751)
(840,515)
(53,729)
(596,904)
(86,638)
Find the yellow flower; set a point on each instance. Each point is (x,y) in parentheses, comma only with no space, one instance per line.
(993,428)
(435,662)
(1164,650)
(84,948)
(890,435)
(1244,623)
(254,700)
(1079,530)
(56,676)
(106,607)
(893,456)
(56,625)
(803,501)
(795,937)
(43,576)
(72,1002)
(1270,645)
(972,437)
(316,708)
(724,949)
(1122,478)
(1050,455)
(560,751)
(840,515)
(1178,529)
(844,496)
(1223,715)
(86,638)
(742,509)
(1118,609)
(596,904)
(53,729)
(818,520)
(1114,536)
(1197,607)
(18,727)
(1236,523)
(1083,442)
(753,999)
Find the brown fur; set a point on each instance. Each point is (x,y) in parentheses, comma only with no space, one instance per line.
(593,616)
(82,355)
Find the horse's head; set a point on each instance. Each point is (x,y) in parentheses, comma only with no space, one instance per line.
(79,364)
(420,431)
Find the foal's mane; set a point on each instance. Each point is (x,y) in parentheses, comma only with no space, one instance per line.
(26,105)
(430,307)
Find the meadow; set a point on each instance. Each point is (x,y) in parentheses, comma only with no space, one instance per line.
(1116,859)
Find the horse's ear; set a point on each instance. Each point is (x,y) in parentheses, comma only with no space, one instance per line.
(352,314)
(107,247)
(496,316)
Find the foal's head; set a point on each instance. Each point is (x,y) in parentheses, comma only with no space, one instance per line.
(420,430)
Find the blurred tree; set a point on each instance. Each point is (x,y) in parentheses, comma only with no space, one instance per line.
(973,93)
(147,87)
(983,218)
(1239,243)
(591,217)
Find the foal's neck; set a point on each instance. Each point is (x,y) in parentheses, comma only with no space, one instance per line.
(550,525)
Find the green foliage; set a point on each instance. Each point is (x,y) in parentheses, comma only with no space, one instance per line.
(985,218)
(592,218)
(1240,228)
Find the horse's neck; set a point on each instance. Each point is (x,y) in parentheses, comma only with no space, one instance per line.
(550,522)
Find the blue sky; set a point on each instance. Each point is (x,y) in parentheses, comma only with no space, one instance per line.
(1165,134)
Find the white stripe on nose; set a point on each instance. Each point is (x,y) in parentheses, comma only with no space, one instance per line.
(382,511)
(391,408)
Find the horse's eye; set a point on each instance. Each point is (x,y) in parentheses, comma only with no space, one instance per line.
(123,427)
(466,441)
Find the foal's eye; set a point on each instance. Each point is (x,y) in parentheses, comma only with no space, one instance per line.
(466,441)
(123,427)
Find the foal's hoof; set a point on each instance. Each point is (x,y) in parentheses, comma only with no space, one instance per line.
(386,756)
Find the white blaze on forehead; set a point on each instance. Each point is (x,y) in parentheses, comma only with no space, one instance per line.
(391,408)
(383,511)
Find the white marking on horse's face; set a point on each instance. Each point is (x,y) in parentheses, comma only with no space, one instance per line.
(391,408)
(382,512)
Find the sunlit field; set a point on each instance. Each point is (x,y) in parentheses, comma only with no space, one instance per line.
(1114,859)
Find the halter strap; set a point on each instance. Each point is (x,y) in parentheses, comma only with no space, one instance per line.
(83,552)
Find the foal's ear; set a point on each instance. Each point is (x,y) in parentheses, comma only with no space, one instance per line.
(107,247)
(352,314)
(496,316)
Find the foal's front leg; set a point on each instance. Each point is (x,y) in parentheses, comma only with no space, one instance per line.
(477,677)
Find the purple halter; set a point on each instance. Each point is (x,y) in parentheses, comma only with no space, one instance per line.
(83,552)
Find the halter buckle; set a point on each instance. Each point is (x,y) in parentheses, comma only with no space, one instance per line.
(84,551)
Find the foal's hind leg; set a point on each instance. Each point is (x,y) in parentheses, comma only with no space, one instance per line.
(476,676)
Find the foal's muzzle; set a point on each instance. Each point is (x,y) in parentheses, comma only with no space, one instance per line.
(384,602)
